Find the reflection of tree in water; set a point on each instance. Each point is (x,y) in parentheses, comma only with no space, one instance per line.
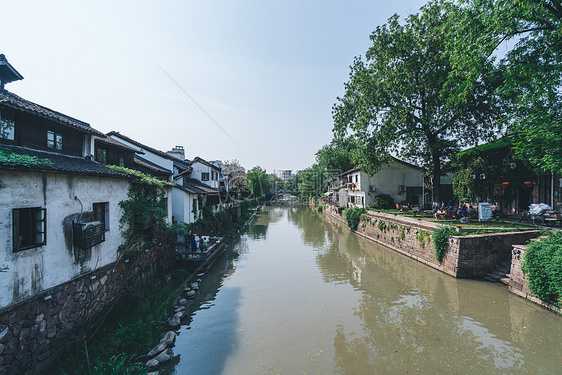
(413,317)
(312,229)
(257,227)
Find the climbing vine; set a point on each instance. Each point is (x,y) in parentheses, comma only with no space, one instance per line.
(441,241)
(12,159)
(145,212)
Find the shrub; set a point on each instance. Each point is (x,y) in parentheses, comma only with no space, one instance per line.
(441,241)
(543,267)
(353,216)
(421,236)
(383,201)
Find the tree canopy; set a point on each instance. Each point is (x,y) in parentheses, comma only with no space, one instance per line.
(530,70)
(258,182)
(338,156)
(397,99)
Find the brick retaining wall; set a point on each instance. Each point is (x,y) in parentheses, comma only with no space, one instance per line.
(32,330)
(468,256)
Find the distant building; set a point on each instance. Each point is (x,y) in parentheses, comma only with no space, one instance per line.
(285,174)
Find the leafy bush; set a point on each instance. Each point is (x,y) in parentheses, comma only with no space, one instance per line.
(441,241)
(353,216)
(383,201)
(543,267)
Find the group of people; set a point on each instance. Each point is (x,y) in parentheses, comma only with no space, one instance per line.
(407,207)
(196,243)
(459,212)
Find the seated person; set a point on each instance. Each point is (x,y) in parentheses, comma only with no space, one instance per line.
(495,210)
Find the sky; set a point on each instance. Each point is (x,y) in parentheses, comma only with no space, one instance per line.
(252,80)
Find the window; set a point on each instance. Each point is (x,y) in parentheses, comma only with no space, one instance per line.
(29,228)
(215,175)
(101,156)
(54,140)
(7,126)
(204,176)
(121,160)
(101,213)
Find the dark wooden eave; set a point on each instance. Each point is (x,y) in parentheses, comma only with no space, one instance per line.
(11,100)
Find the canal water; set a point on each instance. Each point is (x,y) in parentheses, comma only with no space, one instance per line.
(298,294)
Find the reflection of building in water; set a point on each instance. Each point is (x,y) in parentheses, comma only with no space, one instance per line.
(241,246)
(356,274)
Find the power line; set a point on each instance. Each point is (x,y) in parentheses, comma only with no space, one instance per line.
(197,104)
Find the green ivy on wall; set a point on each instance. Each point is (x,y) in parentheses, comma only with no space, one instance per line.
(145,212)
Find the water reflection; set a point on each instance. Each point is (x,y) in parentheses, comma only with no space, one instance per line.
(416,318)
(257,228)
(299,294)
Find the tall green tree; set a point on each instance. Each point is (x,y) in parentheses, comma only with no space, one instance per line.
(530,67)
(396,100)
(338,156)
(258,182)
(312,181)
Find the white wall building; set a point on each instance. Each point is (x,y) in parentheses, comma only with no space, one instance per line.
(401,180)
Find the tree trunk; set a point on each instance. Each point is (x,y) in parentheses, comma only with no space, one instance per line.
(436,179)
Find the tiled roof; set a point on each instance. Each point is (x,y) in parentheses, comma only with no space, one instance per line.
(115,143)
(152,167)
(60,163)
(393,159)
(7,71)
(144,147)
(194,186)
(197,159)
(11,100)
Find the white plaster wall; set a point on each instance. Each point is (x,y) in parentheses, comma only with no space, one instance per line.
(199,168)
(183,205)
(40,268)
(390,177)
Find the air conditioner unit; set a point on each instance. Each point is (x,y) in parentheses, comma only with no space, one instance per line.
(88,234)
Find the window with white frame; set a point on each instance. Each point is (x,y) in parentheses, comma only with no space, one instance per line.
(205,176)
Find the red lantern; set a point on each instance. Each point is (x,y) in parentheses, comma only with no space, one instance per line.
(505,184)
(528,183)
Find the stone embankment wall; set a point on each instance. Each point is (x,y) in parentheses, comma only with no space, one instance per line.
(468,256)
(33,330)
(518,281)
